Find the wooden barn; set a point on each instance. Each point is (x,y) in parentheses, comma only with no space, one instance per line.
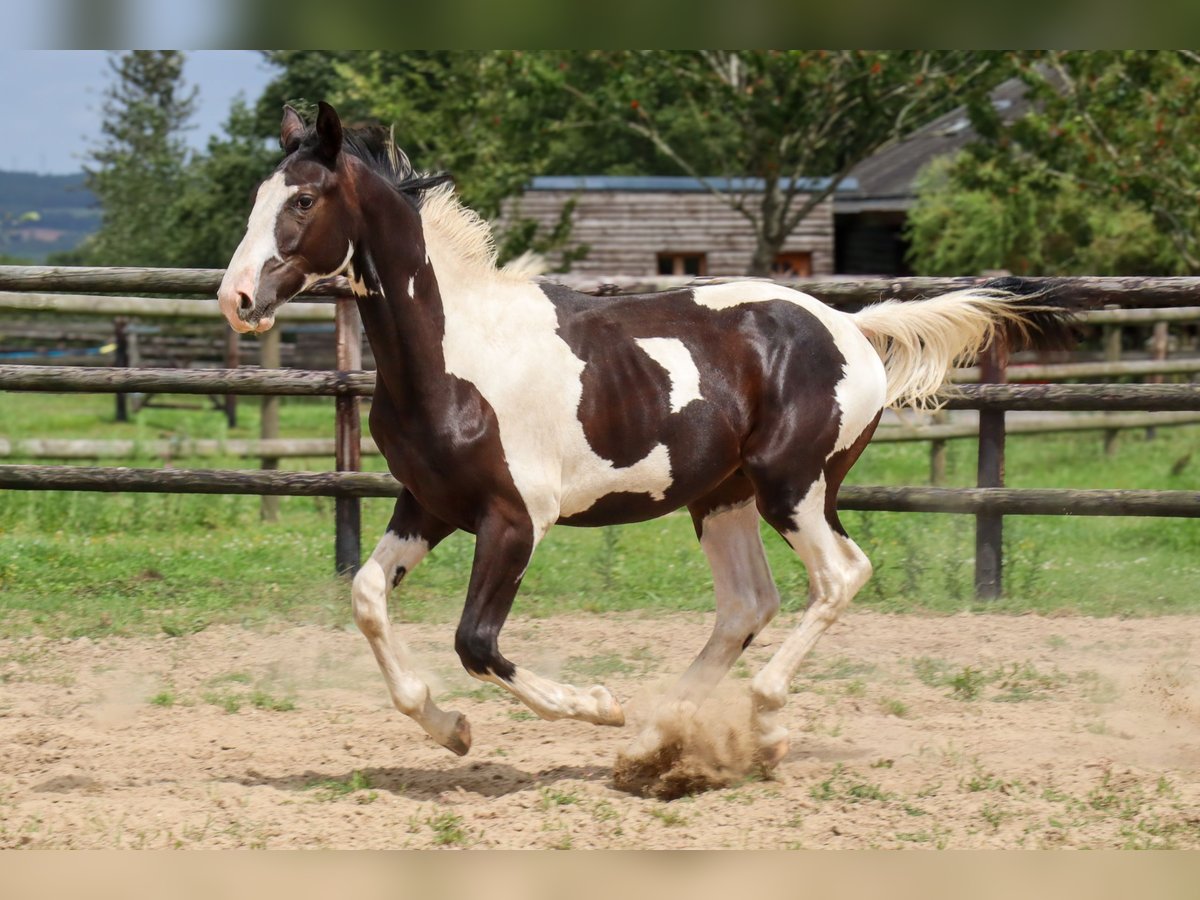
(668,225)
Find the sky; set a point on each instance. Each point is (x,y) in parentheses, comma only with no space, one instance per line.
(50,103)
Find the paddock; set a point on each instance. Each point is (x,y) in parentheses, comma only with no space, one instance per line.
(958,732)
(965,731)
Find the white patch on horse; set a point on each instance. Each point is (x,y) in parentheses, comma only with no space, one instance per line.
(673,355)
(258,244)
(535,393)
(861,391)
(412,283)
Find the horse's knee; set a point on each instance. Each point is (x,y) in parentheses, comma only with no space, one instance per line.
(368,597)
(479,652)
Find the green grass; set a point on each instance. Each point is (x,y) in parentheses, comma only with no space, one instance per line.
(81,563)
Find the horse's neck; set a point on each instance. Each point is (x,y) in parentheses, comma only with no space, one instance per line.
(402,311)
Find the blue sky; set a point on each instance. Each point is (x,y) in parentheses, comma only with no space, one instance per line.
(50,104)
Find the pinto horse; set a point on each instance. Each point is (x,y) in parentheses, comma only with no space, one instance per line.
(505,406)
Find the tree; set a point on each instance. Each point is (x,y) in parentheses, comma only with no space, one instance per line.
(782,118)
(136,170)
(1116,129)
(971,217)
(217,190)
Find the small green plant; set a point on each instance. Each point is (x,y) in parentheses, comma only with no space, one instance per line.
(967,684)
(448,829)
(333,788)
(263,700)
(897,708)
(228,702)
(163,698)
(597,667)
(551,797)
(668,817)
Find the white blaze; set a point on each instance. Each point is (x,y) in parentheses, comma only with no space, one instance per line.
(258,245)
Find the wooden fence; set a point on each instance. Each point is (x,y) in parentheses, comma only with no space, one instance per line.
(989,502)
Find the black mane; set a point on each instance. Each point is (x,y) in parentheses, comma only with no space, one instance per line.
(375,146)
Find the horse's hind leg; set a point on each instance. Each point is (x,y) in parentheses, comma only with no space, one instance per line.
(807,519)
(411,533)
(746,600)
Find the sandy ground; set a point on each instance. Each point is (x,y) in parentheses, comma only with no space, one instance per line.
(969,731)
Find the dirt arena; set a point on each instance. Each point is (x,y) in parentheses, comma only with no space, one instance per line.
(969,731)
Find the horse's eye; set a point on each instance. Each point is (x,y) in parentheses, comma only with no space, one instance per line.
(305,201)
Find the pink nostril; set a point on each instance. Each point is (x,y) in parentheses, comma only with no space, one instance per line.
(245,304)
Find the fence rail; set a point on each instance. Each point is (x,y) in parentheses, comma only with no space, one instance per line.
(1005,501)
(1131,292)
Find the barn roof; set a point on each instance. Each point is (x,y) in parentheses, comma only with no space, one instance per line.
(672,183)
(885,180)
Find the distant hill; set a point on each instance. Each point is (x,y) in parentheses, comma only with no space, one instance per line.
(66,213)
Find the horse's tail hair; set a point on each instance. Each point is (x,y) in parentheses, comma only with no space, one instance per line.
(919,341)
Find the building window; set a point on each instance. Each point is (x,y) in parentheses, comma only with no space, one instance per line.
(682,264)
(793,265)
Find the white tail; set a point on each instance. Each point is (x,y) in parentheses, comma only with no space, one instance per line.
(921,340)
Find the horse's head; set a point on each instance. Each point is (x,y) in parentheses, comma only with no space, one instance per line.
(302,227)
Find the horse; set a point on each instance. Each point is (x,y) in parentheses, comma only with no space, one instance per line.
(505,405)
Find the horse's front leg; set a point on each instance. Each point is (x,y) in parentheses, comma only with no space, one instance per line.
(503,547)
(410,535)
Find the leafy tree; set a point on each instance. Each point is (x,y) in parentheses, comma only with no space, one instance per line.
(971,217)
(781,116)
(1111,132)
(136,170)
(217,191)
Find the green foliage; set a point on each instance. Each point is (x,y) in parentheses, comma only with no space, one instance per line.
(136,170)
(970,218)
(216,194)
(1099,176)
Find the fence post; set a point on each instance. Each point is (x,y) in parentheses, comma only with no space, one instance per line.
(989,527)
(937,452)
(233,359)
(1160,343)
(121,338)
(1112,354)
(269,358)
(348,438)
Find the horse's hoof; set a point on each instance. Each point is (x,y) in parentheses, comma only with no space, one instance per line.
(769,756)
(608,710)
(459,740)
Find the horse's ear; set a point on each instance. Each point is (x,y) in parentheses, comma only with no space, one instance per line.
(329,132)
(291,130)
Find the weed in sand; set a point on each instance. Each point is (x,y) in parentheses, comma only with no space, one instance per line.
(333,788)
(262,700)
(164,698)
(448,830)
(668,817)
(597,667)
(967,684)
(231,703)
(893,707)
(552,797)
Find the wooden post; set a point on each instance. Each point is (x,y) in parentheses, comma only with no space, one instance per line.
(121,337)
(989,526)
(269,353)
(1112,353)
(233,359)
(347,439)
(937,452)
(1159,344)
